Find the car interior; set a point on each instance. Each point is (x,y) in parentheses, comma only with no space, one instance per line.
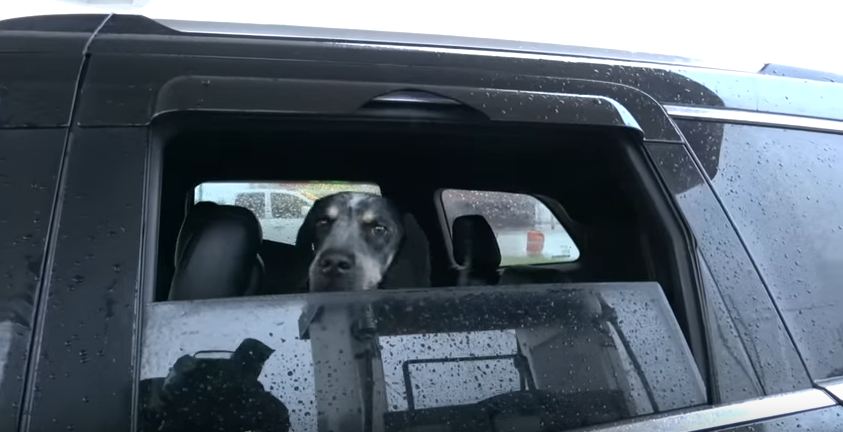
(602,190)
(597,182)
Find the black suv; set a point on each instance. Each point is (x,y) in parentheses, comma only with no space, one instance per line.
(662,246)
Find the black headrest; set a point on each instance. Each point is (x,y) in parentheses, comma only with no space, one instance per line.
(411,266)
(475,245)
(217,253)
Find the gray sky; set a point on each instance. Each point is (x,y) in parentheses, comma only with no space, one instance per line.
(738,34)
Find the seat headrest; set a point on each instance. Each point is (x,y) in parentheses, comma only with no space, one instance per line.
(474,242)
(411,266)
(217,253)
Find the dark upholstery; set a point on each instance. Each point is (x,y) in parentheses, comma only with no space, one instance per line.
(286,268)
(411,266)
(533,275)
(476,250)
(217,253)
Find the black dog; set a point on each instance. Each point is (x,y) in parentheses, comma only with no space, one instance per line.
(355,237)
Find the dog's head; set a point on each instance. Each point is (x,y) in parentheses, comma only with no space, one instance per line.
(354,236)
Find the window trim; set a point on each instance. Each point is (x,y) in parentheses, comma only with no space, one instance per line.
(832,386)
(754,118)
(719,416)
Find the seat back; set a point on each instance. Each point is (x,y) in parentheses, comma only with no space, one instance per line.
(476,251)
(411,266)
(217,253)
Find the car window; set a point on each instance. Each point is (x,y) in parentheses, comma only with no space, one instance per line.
(418,360)
(254,201)
(527,232)
(784,192)
(287,202)
(285,206)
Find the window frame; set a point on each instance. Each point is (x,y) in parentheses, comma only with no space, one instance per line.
(642,172)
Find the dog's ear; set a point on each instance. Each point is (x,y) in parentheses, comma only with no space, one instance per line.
(410,268)
(307,234)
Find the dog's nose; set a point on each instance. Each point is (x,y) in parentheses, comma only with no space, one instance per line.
(336,262)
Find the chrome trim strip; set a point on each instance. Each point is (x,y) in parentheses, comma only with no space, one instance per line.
(833,386)
(755,118)
(455,44)
(415,98)
(728,415)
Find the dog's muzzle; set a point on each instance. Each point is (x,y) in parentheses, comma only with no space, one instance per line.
(335,270)
(335,263)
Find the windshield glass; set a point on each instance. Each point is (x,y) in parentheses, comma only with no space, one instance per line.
(720,33)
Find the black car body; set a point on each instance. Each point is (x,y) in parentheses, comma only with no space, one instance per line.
(746,168)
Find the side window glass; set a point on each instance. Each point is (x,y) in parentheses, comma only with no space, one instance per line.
(287,202)
(254,201)
(784,191)
(527,232)
(421,360)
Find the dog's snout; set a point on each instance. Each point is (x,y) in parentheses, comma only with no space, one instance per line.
(336,262)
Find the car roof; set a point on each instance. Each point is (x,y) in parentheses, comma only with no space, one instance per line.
(674,82)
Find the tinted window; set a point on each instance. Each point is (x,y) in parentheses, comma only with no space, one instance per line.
(784,191)
(751,350)
(527,232)
(286,206)
(425,359)
(254,201)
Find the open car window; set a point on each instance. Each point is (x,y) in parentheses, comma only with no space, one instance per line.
(498,357)
(279,206)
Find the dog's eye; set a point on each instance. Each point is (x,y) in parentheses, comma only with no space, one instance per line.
(379,230)
(322,222)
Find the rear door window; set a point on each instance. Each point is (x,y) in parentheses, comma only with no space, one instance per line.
(417,360)
(526,230)
(279,206)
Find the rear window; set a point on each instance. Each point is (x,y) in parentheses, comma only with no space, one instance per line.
(526,230)
(279,206)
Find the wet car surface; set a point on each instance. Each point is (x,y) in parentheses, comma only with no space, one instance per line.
(749,164)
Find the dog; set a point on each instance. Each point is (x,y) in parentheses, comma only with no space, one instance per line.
(354,237)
